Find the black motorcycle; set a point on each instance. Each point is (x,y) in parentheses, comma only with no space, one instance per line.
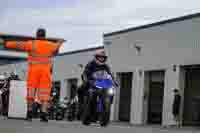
(52,111)
(61,111)
(72,110)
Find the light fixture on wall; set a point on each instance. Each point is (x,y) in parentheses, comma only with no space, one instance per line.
(137,47)
(140,73)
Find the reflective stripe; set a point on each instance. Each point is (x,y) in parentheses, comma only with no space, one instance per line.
(31,92)
(33,47)
(32,88)
(33,52)
(38,93)
(37,56)
(19,44)
(38,62)
(43,90)
(43,95)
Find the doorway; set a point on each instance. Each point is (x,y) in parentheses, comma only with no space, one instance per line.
(155,96)
(125,95)
(72,86)
(191,112)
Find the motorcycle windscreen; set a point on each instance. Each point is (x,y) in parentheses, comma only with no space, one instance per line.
(104,84)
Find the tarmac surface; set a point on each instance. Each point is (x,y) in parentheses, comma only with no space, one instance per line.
(21,126)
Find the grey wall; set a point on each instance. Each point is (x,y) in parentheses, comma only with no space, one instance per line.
(173,43)
(161,47)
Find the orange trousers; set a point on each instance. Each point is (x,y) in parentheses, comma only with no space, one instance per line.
(39,82)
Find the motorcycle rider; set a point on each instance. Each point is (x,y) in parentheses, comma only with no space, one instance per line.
(96,65)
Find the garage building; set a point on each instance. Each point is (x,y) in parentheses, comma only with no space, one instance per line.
(150,61)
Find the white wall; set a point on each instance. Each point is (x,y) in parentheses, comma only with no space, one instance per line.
(173,43)
(162,46)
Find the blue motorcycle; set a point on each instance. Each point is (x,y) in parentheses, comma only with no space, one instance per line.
(98,102)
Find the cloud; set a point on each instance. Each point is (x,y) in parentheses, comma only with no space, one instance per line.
(82,22)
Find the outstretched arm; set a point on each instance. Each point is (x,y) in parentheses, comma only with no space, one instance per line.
(21,45)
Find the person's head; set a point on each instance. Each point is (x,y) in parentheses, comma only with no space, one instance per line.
(41,33)
(100,57)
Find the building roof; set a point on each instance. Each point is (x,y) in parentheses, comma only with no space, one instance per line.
(81,50)
(196,15)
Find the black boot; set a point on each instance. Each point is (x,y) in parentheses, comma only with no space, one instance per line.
(29,116)
(43,117)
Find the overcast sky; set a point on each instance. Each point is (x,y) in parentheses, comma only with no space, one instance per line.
(83,22)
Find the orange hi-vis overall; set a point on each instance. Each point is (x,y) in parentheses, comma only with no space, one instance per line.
(39,69)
